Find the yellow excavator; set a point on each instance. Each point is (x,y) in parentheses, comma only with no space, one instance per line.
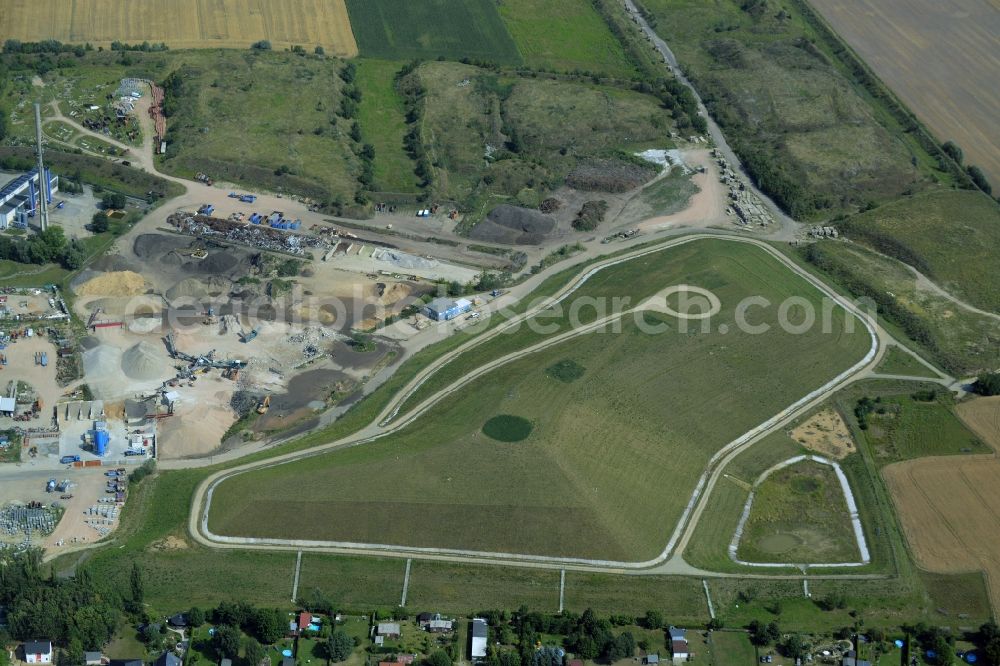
(264,405)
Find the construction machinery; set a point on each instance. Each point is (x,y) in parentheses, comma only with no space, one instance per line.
(264,405)
(251,336)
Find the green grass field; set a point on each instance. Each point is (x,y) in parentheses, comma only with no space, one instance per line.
(910,428)
(405,30)
(708,547)
(953,236)
(731,648)
(383,124)
(564,35)
(569,482)
(898,362)
(799,514)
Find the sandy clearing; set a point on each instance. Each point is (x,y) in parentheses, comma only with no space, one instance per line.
(950,511)
(982,416)
(200,419)
(707,208)
(825,432)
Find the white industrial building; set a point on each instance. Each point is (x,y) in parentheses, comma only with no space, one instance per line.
(479,633)
(19,198)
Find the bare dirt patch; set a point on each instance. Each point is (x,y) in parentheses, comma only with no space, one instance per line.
(170,543)
(950,511)
(982,416)
(825,432)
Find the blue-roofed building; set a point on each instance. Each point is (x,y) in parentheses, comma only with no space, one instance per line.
(20,196)
(443,309)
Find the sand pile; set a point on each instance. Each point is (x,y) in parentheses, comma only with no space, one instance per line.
(395,293)
(116,283)
(102,367)
(144,325)
(143,361)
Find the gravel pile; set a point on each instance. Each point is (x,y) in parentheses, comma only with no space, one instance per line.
(143,361)
(514,225)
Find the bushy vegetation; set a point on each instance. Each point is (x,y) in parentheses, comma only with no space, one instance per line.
(77,614)
(477,134)
(805,132)
(566,371)
(987,384)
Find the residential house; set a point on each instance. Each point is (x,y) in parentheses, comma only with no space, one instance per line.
(226,661)
(178,621)
(389,629)
(168,659)
(93,658)
(479,633)
(439,626)
(424,618)
(38,652)
(126,662)
(679,644)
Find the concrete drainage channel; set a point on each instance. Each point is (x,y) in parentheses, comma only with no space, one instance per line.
(852,507)
(198,523)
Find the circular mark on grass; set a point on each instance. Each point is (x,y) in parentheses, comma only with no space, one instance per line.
(714,304)
(566,371)
(507,428)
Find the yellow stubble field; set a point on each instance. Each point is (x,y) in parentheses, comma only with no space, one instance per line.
(941,57)
(183,23)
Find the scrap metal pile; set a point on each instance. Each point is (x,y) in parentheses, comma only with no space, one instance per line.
(257,236)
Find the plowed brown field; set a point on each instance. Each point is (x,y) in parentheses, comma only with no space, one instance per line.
(950,506)
(183,23)
(941,57)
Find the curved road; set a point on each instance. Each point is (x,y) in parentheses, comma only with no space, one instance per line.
(669,560)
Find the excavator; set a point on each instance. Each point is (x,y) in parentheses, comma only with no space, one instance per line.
(264,405)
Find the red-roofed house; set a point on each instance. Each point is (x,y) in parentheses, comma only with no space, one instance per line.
(680,650)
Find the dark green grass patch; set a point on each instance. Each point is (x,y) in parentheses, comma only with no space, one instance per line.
(566,371)
(507,428)
(454,29)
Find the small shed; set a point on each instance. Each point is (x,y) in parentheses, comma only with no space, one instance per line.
(93,658)
(651,659)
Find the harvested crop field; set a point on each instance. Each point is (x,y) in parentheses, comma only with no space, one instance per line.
(184,23)
(622,424)
(942,57)
(982,416)
(950,511)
